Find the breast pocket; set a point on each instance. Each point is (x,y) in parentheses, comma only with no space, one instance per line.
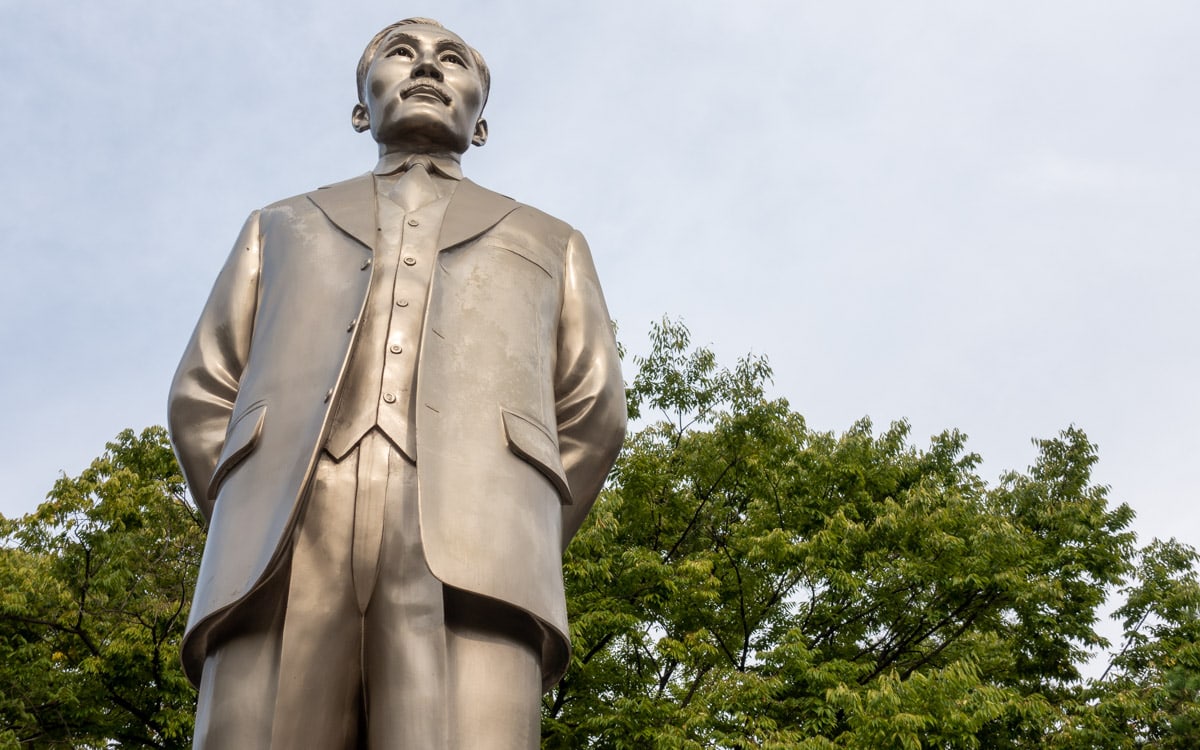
(537,256)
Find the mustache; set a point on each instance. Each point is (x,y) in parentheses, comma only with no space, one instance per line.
(425,86)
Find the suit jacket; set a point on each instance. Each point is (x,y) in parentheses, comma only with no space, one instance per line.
(520,402)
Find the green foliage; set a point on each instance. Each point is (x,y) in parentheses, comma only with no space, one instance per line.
(745,582)
(1150,695)
(94,590)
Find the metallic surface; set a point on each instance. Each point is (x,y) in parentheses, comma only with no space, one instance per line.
(465,490)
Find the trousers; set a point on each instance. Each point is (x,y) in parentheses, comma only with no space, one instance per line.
(359,646)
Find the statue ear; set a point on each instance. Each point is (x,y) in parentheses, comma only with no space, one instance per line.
(480,136)
(359,118)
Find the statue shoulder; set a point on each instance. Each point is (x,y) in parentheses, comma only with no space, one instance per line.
(304,201)
(534,222)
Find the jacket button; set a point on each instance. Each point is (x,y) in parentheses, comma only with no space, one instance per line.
(389,397)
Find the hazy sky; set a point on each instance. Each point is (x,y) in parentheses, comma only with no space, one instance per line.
(972,215)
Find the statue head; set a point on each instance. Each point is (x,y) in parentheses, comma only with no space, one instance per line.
(421,88)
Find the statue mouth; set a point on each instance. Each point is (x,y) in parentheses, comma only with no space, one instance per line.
(426,88)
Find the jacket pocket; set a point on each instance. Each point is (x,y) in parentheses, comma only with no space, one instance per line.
(532,442)
(240,440)
(526,253)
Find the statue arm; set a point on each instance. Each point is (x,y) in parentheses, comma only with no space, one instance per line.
(206,384)
(589,389)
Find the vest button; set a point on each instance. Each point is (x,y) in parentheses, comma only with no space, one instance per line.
(395,348)
(414,223)
(401,303)
(410,261)
(389,397)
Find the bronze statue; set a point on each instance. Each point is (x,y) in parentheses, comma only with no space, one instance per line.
(398,406)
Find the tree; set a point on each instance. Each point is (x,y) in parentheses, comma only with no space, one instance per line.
(745,582)
(94,591)
(1149,697)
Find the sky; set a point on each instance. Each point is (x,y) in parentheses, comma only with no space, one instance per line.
(981,216)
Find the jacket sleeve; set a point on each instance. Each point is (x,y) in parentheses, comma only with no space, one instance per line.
(206,384)
(589,390)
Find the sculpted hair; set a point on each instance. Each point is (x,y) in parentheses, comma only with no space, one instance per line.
(368,56)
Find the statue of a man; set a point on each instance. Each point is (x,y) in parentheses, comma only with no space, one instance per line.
(399,403)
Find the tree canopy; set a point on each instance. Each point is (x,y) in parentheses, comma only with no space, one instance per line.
(743,582)
(94,592)
(746,582)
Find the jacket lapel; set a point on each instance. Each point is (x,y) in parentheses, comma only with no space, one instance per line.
(350,205)
(472,211)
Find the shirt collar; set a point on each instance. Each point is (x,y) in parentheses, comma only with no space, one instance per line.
(396,162)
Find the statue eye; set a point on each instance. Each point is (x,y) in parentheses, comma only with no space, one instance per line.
(452,58)
(401,52)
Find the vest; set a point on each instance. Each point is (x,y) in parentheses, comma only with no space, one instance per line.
(380,380)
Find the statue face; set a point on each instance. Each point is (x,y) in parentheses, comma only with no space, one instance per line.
(424,92)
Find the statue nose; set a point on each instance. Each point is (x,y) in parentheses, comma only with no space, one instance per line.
(427,67)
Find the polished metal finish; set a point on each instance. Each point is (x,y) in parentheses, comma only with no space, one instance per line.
(388,500)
